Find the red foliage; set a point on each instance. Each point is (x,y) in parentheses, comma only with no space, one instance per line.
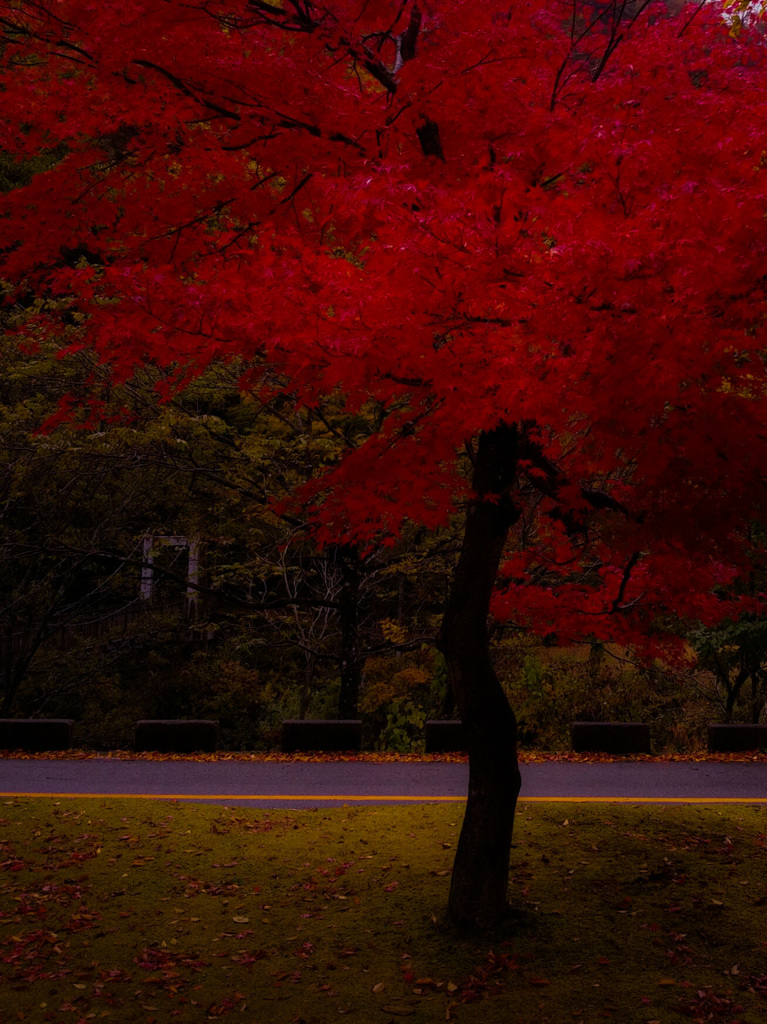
(550,214)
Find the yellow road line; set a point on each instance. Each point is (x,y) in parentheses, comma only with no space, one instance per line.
(316,798)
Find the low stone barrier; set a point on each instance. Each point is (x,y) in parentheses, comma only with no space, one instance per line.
(176,735)
(444,736)
(321,734)
(36,734)
(728,739)
(610,737)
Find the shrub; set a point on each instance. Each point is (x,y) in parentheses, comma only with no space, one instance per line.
(399,694)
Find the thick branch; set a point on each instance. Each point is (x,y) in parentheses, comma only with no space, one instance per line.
(428,136)
(553,479)
(186,90)
(408,38)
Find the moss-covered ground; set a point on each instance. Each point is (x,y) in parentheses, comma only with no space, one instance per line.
(142,911)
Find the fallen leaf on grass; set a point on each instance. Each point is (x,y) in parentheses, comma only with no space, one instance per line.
(707,1006)
(756,984)
(379,987)
(398,1009)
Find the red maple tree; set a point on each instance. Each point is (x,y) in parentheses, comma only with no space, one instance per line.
(531,237)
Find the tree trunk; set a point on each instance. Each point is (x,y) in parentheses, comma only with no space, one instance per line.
(733,689)
(14,668)
(478,892)
(448,704)
(348,615)
(311,661)
(756,701)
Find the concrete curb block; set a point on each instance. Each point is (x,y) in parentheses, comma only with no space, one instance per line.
(302,734)
(727,739)
(610,737)
(176,736)
(36,734)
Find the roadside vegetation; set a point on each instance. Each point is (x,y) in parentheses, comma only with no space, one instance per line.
(262,633)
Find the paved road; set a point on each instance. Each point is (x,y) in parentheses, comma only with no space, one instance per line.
(308,784)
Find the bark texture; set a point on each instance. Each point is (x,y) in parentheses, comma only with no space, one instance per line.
(478,892)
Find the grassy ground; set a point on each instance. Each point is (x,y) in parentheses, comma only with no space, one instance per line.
(141,911)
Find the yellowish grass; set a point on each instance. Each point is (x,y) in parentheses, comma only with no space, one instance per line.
(141,911)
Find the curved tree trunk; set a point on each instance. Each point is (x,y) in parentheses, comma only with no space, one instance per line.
(478,892)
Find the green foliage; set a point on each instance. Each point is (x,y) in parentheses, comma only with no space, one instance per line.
(549,688)
(403,731)
(204,463)
(399,695)
(388,678)
(735,654)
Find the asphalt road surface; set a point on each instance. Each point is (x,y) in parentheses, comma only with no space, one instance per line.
(313,784)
